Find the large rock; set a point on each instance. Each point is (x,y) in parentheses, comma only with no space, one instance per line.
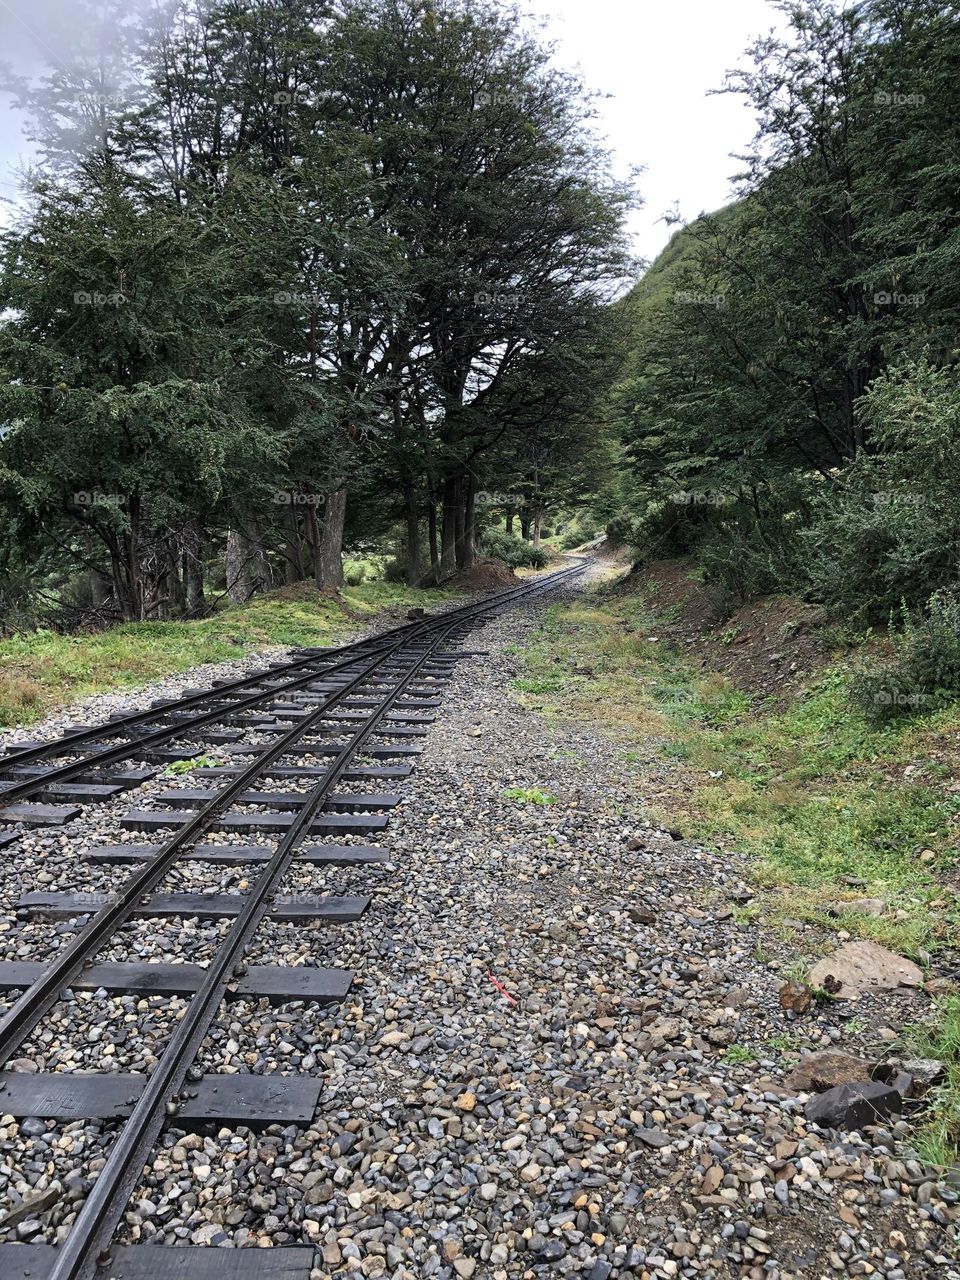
(820,1071)
(851,1106)
(857,907)
(860,967)
(796,997)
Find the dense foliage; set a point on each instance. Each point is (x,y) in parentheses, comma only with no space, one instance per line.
(291,273)
(790,410)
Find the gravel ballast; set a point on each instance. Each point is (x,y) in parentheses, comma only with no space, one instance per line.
(528,1078)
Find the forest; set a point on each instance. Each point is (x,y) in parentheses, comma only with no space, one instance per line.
(789,411)
(291,274)
(296,279)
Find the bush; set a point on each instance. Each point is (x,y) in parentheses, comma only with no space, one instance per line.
(924,673)
(514,551)
(394,570)
(892,531)
(870,548)
(746,558)
(583,528)
(354,572)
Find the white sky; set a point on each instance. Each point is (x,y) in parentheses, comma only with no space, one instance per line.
(655,60)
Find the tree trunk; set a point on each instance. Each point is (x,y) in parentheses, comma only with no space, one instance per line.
(131,542)
(99,588)
(470,524)
(292,563)
(537,518)
(461,523)
(329,560)
(121,587)
(525,525)
(235,566)
(448,529)
(193,569)
(176,590)
(259,574)
(432,535)
(413,533)
(510,515)
(313,539)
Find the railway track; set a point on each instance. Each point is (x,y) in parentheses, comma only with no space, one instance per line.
(330,719)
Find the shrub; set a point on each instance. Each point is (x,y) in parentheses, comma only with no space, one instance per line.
(871,548)
(583,528)
(394,570)
(924,673)
(891,533)
(745,558)
(354,572)
(515,551)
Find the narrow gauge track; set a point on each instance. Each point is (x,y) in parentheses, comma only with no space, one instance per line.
(376,696)
(79,767)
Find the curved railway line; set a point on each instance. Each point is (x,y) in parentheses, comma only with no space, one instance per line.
(352,713)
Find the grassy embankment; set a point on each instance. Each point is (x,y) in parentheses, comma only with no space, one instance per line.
(828,808)
(42,669)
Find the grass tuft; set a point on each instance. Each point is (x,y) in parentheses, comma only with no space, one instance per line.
(529,795)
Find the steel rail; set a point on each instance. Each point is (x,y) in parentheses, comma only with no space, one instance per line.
(93,1230)
(94,1227)
(130,749)
(127,750)
(21,1018)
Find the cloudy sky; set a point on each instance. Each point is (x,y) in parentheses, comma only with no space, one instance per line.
(654,61)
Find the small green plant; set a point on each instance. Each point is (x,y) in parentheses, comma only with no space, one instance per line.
(744,915)
(179,767)
(517,552)
(737,1054)
(529,795)
(938,1142)
(786,1042)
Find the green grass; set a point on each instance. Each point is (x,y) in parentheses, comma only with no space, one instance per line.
(738,1054)
(939,1139)
(529,795)
(810,790)
(41,669)
(178,767)
(814,793)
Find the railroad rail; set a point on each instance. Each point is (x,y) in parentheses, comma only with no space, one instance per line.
(366,704)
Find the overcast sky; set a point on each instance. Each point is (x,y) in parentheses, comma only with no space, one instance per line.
(655,60)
